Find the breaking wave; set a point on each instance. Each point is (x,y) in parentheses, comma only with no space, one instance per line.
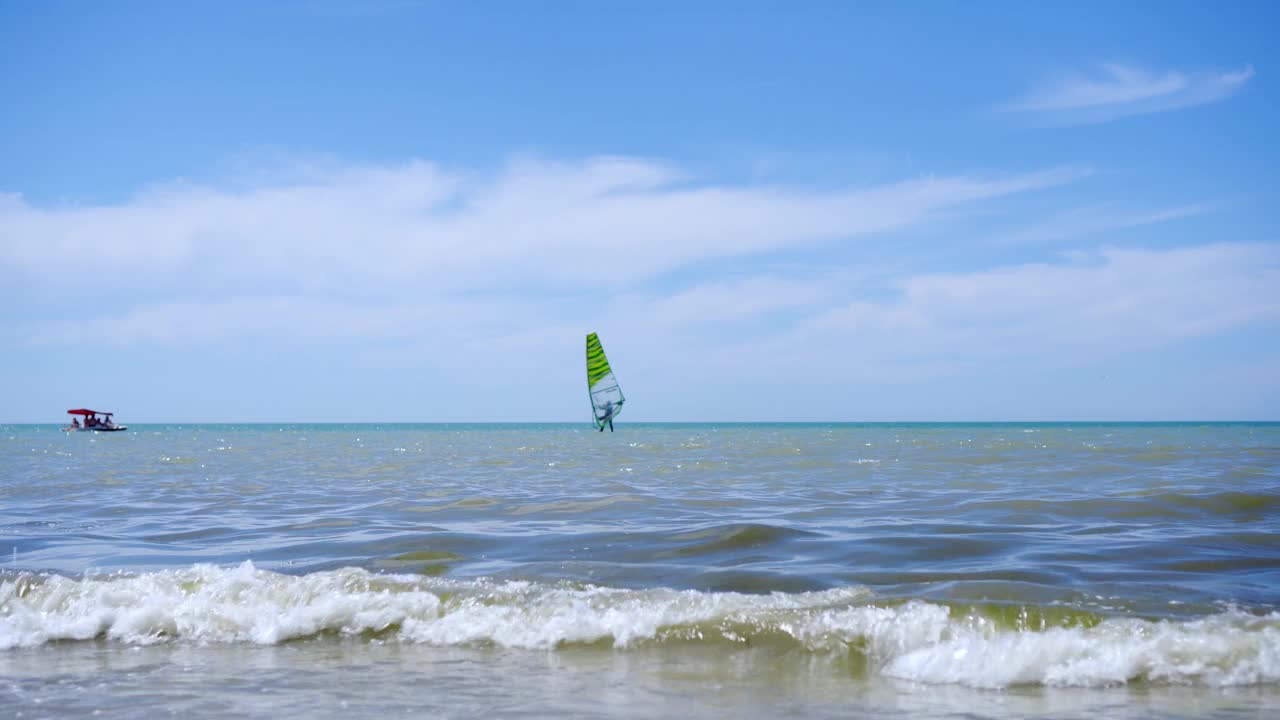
(975,645)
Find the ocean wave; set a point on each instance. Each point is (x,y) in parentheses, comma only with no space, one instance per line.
(975,645)
(729,538)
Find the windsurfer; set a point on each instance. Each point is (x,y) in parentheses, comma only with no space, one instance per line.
(607,417)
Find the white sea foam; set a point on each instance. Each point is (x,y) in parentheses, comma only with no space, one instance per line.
(204,604)
(1231,648)
(918,641)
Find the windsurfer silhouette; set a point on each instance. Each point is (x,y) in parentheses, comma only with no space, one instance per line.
(608,416)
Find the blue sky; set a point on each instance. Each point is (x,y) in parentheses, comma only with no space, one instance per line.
(415,211)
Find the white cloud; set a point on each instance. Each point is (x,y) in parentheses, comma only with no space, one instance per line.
(727,304)
(1113,301)
(491,280)
(1117,90)
(415,257)
(600,223)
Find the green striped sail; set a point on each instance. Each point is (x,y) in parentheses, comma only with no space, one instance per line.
(606,396)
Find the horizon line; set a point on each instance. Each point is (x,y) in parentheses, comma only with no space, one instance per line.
(1148,421)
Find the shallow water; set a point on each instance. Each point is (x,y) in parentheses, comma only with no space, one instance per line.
(1006,570)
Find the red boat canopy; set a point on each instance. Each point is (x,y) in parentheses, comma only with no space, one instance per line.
(82,411)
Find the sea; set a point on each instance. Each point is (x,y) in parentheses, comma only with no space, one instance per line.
(906,570)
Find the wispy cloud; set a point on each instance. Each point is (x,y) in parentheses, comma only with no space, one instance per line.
(1074,311)
(419,266)
(1114,91)
(374,255)
(598,223)
(866,345)
(1109,301)
(1094,220)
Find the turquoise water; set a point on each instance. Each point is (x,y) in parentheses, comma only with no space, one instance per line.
(859,570)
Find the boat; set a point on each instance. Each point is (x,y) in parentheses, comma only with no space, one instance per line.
(606,396)
(92,423)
